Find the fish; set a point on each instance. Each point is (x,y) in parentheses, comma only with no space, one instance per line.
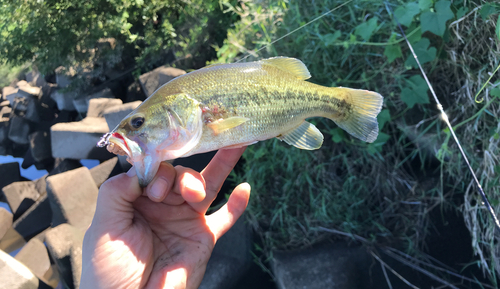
(225,106)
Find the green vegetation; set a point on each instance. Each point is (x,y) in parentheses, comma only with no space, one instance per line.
(382,192)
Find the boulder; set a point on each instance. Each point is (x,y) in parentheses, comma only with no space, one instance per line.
(4,130)
(97,106)
(11,241)
(8,91)
(10,173)
(36,219)
(327,265)
(26,89)
(6,219)
(64,165)
(134,93)
(154,79)
(20,196)
(65,247)
(82,103)
(5,112)
(64,99)
(73,198)
(63,77)
(105,170)
(78,140)
(19,130)
(34,255)
(231,258)
(115,114)
(35,78)
(40,149)
(27,107)
(14,274)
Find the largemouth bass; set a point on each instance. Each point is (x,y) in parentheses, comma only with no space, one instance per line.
(234,105)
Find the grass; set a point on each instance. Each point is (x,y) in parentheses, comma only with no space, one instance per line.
(382,192)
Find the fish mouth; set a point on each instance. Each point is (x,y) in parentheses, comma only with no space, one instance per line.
(146,164)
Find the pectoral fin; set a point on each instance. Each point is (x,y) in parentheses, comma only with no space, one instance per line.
(306,136)
(221,125)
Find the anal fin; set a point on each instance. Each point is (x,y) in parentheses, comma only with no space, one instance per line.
(306,136)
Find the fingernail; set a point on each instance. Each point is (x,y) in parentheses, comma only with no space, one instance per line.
(131,173)
(158,188)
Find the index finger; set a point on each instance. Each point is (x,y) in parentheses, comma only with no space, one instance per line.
(217,171)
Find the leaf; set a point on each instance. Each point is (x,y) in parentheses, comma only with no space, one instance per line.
(461,12)
(435,22)
(337,135)
(424,53)
(415,91)
(382,138)
(487,10)
(495,92)
(392,52)
(405,14)
(425,4)
(383,117)
(330,38)
(365,29)
(497,29)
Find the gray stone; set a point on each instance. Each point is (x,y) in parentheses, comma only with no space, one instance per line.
(105,170)
(19,130)
(97,106)
(154,79)
(134,93)
(26,89)
(65,247)
(64,165)
(115,114)
(231,258)
(73,197)
(327,265)
(64,99)
(40,146)
(82,103)
(35,78)
(6,219)
(36,219)
(34,255)
(27,107)
(20,196)
(7,91)
(78,140)
(5,112)
(11,241)
(4,130)
(14,274)
(63,77)
(10,173)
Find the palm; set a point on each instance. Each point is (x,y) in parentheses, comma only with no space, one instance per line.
(165,244)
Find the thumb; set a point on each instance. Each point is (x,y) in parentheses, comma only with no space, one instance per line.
(114,202)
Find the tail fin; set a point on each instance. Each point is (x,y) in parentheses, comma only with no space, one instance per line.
(362,122)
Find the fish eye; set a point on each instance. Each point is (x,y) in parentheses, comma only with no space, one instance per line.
(137,121)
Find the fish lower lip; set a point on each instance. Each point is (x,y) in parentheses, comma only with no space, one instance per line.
(117,145)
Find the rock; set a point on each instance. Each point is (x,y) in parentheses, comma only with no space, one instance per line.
(10,173)
(36,219)
(11,241)
(231,258)
(14,274)
(64,100)
(7,91)
(6,219)
(26,89)
(65,247)
(27,107)
(73,198)
(34,255)
(20,196)
(4,130)
(41,150)
(63,77)
(5,112)
(82,103)
(97,106)
(105,170)
(78,140)
(326,265)
(19,130)
(35,78)
(154,79)
(134,93)
(64,165)
(115,114)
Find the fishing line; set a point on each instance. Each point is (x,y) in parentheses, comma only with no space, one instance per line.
(297,29)
(444,116)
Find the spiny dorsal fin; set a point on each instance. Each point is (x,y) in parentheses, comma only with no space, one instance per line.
(221,125)
(290,65)
(306,136)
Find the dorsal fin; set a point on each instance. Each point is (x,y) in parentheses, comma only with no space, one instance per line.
(290,65)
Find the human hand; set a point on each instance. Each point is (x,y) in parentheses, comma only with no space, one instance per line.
(159,236)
